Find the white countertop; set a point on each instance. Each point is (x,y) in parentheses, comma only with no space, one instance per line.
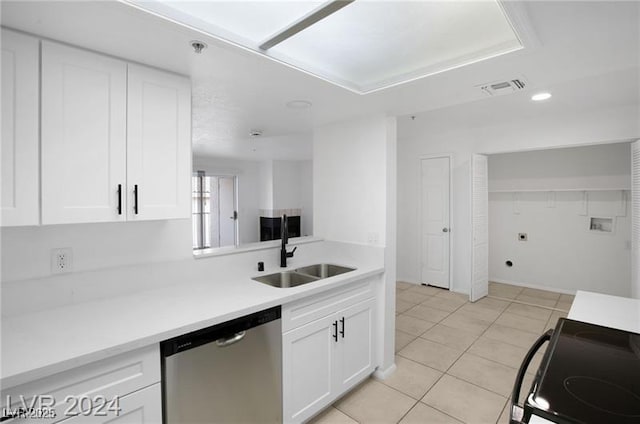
(609,311)
(38,344)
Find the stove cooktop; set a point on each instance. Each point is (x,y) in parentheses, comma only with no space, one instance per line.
(590,374)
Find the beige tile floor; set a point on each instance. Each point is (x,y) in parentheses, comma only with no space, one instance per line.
(456,361)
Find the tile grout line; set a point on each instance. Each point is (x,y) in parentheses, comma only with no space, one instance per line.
(468,382)
(446,372)
(443,373)
(521,302)
(333,405)
(478,337)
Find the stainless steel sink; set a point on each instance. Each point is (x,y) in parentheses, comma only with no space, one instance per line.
(304,275)
(285,279)
(324,270)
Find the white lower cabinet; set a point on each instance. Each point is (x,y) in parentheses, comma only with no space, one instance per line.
(356,359)
(325,358)
(308,377)
(141,407)
(94,392)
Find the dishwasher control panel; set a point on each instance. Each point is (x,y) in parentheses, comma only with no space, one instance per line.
(218,331)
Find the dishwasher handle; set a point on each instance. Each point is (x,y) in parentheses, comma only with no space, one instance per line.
(228,341)
(516,412)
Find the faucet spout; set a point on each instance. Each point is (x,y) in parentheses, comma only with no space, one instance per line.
(284,236)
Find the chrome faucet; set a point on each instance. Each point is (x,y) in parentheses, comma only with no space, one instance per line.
(284,235)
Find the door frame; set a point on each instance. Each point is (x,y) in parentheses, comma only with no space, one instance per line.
(236,223)
(420,209)
(206,173)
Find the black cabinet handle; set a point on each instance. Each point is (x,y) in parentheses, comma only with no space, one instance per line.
(335,330)
(135,199)
(342,331)
(119,199)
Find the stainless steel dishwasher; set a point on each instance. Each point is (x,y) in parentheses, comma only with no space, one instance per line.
(228,373)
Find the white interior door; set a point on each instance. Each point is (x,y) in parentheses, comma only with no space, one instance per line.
(435,195)
(635,219)
(479,228)
(228,215)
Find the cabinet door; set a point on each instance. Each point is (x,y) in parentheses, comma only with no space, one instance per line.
(357,354)
(308,354)
(19,153)
(83,135)
(115,376)
(141,407)
(158,145)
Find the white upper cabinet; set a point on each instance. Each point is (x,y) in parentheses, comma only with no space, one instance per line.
(116,139)
(19,153)
(84,99)
(158,145)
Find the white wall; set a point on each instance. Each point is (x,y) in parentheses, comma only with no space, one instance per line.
(288,184)
(349,181)
(561,253)
(600,166)
(265,184)
(248,175)
(293,189)
(26,251)
(354,183)
(431,135)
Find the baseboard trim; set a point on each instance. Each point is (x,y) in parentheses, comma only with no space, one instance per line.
(380,374)
(533,286)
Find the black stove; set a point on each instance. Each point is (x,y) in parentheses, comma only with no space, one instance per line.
(589,374)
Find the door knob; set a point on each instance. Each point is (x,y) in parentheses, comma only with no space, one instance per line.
(445,230)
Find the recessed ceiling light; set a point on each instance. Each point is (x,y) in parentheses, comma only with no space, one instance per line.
(540,97)
(299,104)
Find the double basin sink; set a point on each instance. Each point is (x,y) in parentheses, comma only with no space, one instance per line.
(304,275)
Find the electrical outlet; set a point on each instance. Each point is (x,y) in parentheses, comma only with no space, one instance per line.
(372,238)
(61,260)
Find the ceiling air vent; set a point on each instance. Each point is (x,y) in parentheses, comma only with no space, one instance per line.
(497,88)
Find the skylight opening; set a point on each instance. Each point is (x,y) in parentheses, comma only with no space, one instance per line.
(364,45)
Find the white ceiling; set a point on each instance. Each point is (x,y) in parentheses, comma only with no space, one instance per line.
(587,54)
